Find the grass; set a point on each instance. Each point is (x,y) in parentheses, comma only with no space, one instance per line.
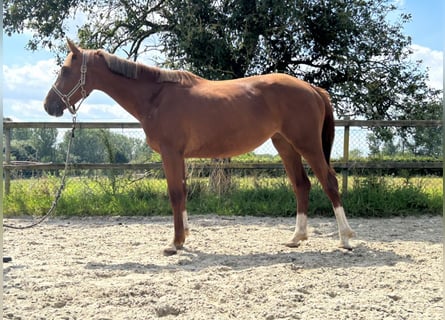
(380,196)
(372,196)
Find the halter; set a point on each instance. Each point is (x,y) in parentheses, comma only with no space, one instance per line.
(66,97)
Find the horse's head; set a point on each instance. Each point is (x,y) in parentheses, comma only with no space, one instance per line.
(69,87)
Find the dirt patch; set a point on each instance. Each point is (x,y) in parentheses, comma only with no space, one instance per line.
(231,268)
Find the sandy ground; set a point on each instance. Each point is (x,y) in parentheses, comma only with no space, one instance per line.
(231,268)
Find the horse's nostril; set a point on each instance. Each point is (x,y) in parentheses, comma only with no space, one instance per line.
(53,109)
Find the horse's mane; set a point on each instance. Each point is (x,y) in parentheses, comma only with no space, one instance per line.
(178,76)
(132,70)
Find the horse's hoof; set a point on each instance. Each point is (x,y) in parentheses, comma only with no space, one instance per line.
(170,250)
(296,240)
(349,248)
(345,246)
(291,244)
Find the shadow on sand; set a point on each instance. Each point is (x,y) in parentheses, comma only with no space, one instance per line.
(194,260)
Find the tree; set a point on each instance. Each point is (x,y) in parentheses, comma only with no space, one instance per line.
(110,24)
(87,147)
(417,141)
(345,46)
(100,146)
(33,144)
(425,141)
(217,40)
(44,141)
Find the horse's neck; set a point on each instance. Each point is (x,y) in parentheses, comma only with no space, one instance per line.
(128,93)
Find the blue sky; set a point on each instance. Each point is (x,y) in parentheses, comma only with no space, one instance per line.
(427,25)
(27,76)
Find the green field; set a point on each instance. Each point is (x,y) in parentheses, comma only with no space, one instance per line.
(372,196)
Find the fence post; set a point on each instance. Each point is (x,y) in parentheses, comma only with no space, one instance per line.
(345,158)
(7,172)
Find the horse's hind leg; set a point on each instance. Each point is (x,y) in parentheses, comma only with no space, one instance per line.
(300,184)
(326,176)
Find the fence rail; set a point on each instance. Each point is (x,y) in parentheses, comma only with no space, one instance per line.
(344,165)
(25,165)
(137,125)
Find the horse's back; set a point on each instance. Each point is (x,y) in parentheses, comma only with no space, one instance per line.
(278,87)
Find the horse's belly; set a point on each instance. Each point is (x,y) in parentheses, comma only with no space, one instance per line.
(225,147)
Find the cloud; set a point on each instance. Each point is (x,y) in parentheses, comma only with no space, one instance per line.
(432,60)
(26,86)
(23,109)
(24,89)
(29,81)
(104,112)
(32,110)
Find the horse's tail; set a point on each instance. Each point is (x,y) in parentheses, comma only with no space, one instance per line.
(328,131)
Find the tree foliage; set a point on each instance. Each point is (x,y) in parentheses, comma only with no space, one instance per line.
(102,146)
(345,46)
(110,24)
(418,141)
(33,144)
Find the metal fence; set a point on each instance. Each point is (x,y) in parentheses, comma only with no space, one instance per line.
(350,150)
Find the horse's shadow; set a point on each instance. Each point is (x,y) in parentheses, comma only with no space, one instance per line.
(195,260)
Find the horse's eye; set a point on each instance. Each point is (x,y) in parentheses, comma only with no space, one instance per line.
(64,71)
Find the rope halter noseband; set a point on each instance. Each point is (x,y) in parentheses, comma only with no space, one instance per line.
(80,85)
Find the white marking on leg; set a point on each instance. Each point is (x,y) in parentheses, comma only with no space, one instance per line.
(300,233)
(344,230)
(301,224)
(185,221)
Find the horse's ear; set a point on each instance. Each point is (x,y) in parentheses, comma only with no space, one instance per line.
(73,48)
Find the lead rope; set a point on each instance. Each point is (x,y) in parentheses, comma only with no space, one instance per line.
(59,191)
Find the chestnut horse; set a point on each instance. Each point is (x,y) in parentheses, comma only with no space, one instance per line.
(185,116)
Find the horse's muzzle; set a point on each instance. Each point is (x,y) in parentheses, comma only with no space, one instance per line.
(53,109)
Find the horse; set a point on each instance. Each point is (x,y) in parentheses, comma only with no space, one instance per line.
(186,116)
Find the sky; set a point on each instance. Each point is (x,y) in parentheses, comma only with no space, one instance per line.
(27,76)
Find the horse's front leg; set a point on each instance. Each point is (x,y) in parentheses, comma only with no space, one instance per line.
(174,168)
